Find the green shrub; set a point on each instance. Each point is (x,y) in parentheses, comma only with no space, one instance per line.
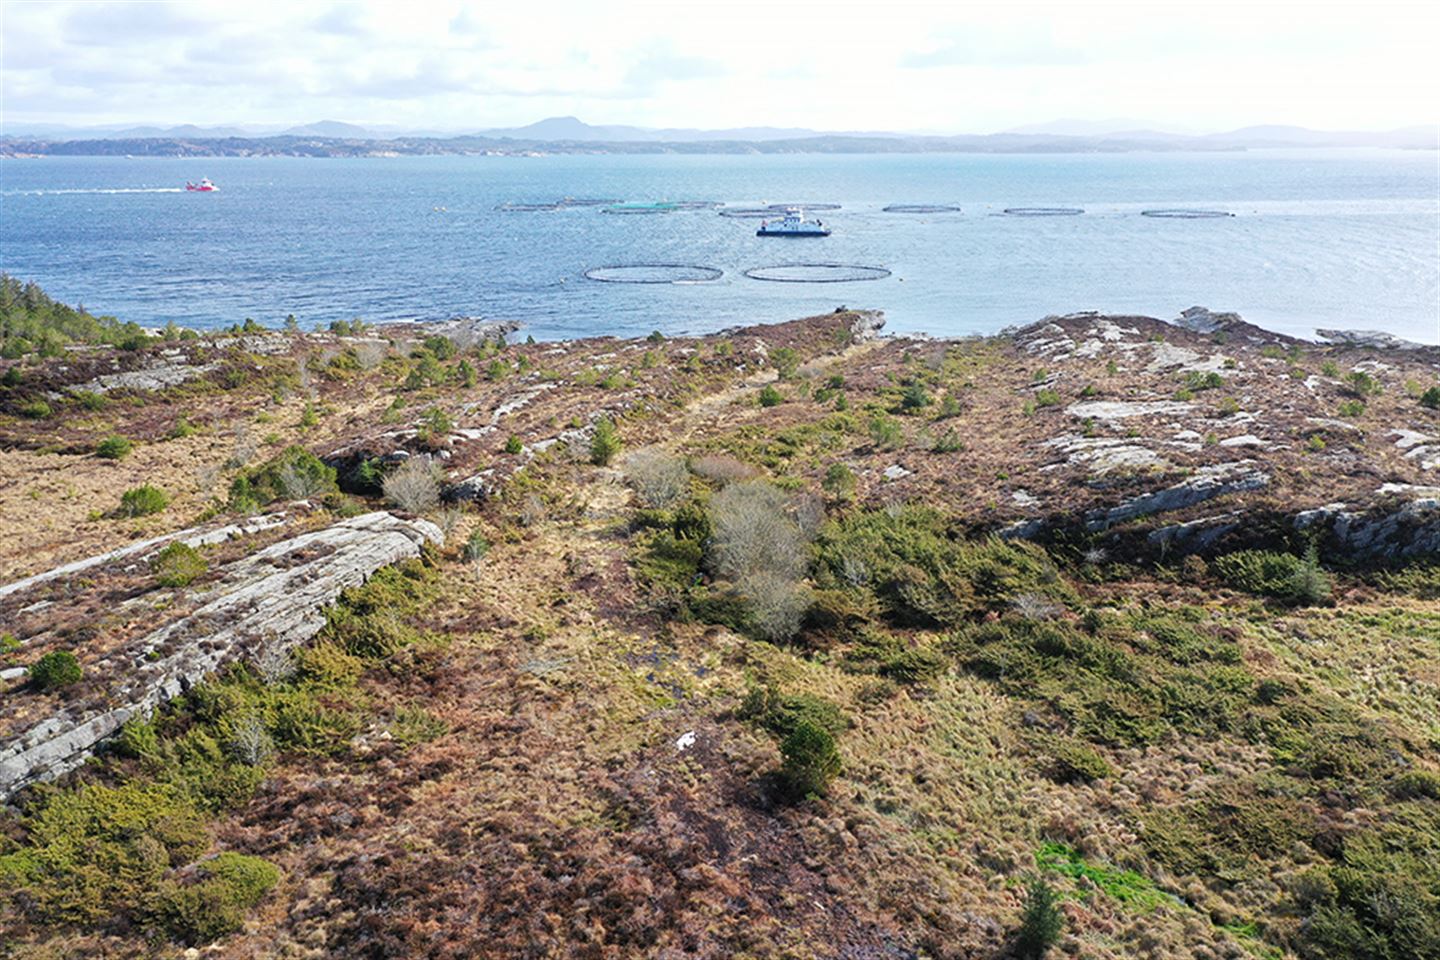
(781,714)
(58,668)
(770,397)
(604,442)
(1210,380)
(811,760)
(1431,398)
(514,445)
(1416,785)
(202,909)
(914,397)
(476,547)
(294,474)
(1362,384)
(35,409)
(839,481)
(114,447)
(1046,397)
(1041,923)
(142,501)
(1281,575)
(1073,761)
(885,433)
(786,362)
(178,564)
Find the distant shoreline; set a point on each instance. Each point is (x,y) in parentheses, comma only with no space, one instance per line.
(340,148)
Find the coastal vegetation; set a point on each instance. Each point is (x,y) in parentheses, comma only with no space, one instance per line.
(919,661)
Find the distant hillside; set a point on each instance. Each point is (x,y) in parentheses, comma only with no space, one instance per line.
(331,138)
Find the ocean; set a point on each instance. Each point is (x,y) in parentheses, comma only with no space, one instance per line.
(1318,238)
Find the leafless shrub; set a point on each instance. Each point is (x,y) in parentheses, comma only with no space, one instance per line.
(207,477)
(721,469)
(1032,606)
(854,571)
(447,519)
(370,354)
(532,511)
(754,533)
(776,604)
(243,448)
(303,377)
(808,512)
(1096,555)
(659,477)
(414,486)
(249,742)
(274,664)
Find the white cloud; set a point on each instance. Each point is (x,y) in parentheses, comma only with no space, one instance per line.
(831,65)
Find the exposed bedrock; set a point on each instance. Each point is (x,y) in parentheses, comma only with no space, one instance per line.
(267,601)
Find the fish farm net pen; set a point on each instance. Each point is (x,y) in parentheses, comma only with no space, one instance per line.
(586,202)
(748,213)
(654,273)
(920,208)
(817,273)
(527,207)
(1043,211)
(1186,214)
(782,207)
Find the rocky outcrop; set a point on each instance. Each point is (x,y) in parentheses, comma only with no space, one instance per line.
(270,600)
(1371,339)
(1205,484)
(1408,525)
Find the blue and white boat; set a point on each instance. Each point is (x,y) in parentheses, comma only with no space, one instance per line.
(793,224)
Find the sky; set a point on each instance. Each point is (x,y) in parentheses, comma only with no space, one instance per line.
(893,65)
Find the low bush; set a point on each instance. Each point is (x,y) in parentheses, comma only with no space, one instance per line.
(178,564)
(811,759)
(781,713)
(1281,575)
(1431,398)
(414,486)
(35,409)
(56,669)
(213,901)
(142,501)
(658,477)
(770,397)
(114,447)
(294,474)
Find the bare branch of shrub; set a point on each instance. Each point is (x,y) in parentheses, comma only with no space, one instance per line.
(414,486)
(658,476)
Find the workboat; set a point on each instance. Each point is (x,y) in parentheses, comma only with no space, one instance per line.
(204,186)
(793,224)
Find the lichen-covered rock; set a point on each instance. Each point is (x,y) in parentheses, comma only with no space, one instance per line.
(271,599)
(1407,526)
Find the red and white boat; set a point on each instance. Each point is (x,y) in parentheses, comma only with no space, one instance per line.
(204,186)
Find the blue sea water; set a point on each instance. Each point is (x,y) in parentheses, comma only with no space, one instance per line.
(1319,238)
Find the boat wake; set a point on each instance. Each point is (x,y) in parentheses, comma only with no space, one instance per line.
(45,193)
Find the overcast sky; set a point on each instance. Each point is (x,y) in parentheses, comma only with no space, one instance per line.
(896,65)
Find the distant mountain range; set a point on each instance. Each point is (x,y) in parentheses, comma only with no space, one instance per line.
(571,135)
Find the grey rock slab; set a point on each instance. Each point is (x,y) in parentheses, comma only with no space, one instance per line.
(271,600)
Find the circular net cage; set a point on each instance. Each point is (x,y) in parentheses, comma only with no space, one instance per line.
(782,207)
(587,202)
(1043,211)
(527,207)
(1186,214)
(633,209)
(654,273)
(748,213)
(921,208)
(817,273)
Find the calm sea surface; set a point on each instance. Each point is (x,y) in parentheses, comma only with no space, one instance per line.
(1319,238)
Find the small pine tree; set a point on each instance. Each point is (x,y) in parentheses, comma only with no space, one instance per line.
(1041,923)
(604,443)
(811,760)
